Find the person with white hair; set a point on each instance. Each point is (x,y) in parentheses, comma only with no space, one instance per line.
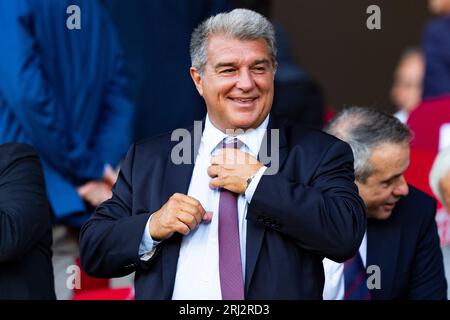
(440,184)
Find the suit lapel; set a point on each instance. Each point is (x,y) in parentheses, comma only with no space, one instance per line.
(176,180)
(255,231)
(383,238)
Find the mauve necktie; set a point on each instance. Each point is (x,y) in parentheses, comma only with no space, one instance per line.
(230,263)
(355,279)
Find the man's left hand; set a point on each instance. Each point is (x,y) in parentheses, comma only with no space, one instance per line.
(231,168)
(95,192)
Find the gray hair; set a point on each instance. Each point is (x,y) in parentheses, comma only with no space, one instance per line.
(242,24)
(364,129)
(440,168)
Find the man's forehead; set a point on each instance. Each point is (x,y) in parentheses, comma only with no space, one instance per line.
(390,150)
(389,159)
(232,49)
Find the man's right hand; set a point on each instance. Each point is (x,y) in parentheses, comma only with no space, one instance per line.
(181,213)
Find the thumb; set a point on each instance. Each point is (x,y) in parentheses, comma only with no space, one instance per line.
(207,217)
(109,175)
(84,189)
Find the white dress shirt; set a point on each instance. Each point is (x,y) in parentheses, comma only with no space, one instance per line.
(444,136)
(197,275)
(334,274)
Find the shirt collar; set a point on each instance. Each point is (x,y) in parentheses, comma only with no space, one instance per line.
(212,136)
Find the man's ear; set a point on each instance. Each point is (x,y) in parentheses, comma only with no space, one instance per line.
(197,78)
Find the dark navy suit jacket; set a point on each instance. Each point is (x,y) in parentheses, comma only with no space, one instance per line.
(309,210)
(26,270)
(406,248)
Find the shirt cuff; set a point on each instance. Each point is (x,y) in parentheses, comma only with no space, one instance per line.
(147,243)
(254,183)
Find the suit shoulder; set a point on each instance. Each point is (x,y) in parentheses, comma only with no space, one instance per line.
(418,205)
(11,152)
(297,131)
(417,196)
(159,142)
(19,149)
(305,136)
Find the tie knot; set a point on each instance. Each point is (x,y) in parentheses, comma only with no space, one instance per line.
(232,143)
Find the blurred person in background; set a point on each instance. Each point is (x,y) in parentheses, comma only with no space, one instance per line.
(62,90)
(406,91)
(439,7)
(401,239)
(26,270)
(436,48)
(440,184)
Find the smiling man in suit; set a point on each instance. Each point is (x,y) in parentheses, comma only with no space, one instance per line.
(401,243)
(227,226)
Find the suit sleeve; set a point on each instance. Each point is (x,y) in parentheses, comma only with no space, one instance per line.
(427,279)
(110,239)
(24,211)
(326,216)
(32,98)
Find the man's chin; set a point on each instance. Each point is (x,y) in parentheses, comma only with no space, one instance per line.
(384,212)
(244,122)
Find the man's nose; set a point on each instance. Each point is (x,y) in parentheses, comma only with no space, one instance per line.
(245,81)
(401,189)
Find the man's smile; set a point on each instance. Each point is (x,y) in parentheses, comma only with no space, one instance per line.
(244,101)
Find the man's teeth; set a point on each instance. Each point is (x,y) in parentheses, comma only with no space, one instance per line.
(245,100)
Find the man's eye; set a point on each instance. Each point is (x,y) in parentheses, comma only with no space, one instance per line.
(227,71)
(387,184)
(259,69)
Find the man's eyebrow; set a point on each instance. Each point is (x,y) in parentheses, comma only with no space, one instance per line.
(224,64)
(261,61)
(233,64)
(395,176)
